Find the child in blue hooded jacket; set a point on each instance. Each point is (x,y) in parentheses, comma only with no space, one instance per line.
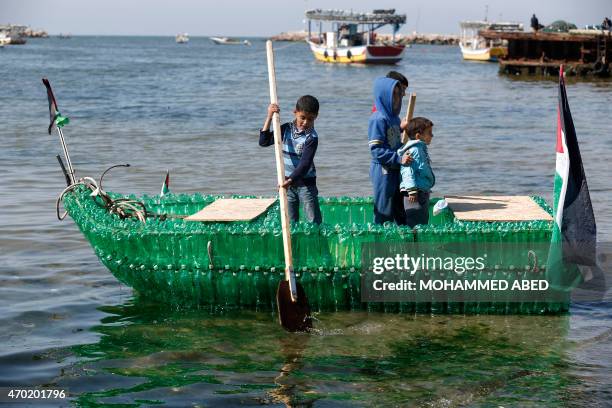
(384,140)
(417,178)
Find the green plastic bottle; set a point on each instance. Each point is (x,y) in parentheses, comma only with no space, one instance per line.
(233,289)
(222,289)
(470,305)
(273,281)
(438,302)
(354,287)
(309,284)
(325,290)
(339,281)
(391,307)
(207,287)
(500,305)
(423,298)
(260,283)
(188,287)
(245,287)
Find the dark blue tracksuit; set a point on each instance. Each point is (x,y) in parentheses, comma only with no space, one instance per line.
(384,139)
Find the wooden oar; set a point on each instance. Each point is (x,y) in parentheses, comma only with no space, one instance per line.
(293,308)
(409,113)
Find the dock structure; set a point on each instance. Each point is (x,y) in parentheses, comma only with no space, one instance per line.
(582,52)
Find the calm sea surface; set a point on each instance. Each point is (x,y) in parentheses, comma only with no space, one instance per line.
(195,109)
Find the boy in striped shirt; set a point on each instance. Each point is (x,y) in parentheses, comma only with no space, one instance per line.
(299,141)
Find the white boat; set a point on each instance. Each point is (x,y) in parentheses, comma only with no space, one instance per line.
(229,41)
(182,38)
(353,37)
(4,39)
(475,48)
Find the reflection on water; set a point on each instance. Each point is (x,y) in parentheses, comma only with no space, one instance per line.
(145,355)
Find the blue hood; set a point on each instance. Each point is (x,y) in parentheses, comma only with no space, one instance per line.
(383,96)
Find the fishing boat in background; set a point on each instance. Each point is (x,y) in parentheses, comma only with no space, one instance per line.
(182,38)
(4,40)
(476,48)
(352,38)
(229,41)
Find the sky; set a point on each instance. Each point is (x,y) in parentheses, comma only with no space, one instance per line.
(269,17)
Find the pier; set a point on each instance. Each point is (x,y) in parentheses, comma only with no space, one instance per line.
(583,52)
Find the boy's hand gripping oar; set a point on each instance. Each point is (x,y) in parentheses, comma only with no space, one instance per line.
(293,308)
(409,113)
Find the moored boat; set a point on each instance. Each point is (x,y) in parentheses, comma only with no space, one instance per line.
(352,38)
(229,41)
(182,38)
(476,48)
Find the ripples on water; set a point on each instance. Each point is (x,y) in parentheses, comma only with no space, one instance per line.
(195,110)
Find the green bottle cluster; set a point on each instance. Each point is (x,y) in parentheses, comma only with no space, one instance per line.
(167,259)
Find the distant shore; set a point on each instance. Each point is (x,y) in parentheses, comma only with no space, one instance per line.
(415,38)
(16,30)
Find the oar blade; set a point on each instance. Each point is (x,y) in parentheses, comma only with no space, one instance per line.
(294,316)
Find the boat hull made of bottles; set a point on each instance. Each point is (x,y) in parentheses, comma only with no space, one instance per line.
(239,264)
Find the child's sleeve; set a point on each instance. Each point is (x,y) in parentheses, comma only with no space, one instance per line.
(266,137)
(379,148)
(410,171)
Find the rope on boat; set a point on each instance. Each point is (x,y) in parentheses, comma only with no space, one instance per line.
(123,207)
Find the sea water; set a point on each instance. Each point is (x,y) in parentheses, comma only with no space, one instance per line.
(195,109)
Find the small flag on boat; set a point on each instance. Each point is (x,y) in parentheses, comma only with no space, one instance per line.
(56,119)
(166,186)
(574,231)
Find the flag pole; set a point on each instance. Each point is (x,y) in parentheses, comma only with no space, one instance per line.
(66,155)
(58,121)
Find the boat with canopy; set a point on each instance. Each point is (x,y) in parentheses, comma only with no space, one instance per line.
(353,38)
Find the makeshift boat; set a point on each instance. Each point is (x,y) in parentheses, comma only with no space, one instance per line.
(151,245)
(229,41)
(476,48)
(352,38)
(204,250)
